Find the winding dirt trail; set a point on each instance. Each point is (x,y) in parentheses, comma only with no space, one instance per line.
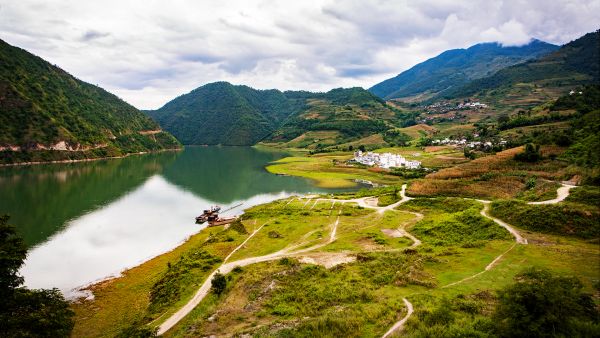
(484,212)
(399,325)
(562,192)
(226,268)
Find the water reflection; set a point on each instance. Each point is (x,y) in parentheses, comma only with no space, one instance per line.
(87,221)
(42,199)
(225,174)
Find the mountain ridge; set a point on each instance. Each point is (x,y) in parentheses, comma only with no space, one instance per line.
(227,114)
(568,66)
(456,67)
(241,114)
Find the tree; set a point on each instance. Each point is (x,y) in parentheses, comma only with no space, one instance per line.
(540,304)
(23,312)
(12,255)
(503,118)
(218,283)
(531,154)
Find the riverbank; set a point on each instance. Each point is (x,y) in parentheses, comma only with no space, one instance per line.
(88,159)
(328,171)
(123,301)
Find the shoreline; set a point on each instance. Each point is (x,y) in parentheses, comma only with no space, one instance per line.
(16,164)
(85,292)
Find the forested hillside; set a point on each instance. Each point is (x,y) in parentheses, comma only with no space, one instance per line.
(456,67)
(221,113)
(47,114)
(351,113)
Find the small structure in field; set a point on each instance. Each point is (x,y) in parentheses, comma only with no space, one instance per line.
(385,160)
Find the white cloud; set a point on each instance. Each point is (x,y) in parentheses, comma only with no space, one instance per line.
(148,52)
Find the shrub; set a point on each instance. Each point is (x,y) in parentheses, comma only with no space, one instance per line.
(238,226)
(540,304)
(218,284)
(530,154)
(564,218)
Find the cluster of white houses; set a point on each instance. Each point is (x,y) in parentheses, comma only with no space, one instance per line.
(385,160)
(468,105)
(464,143)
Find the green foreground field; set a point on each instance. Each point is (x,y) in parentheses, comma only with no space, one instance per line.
(353,285)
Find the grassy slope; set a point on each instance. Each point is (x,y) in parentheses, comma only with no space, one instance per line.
(289,299)
(278,299)
(123,301)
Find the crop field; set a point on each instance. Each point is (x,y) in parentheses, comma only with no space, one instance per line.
(498,176)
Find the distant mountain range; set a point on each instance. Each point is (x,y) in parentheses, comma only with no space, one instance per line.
(47,114)
(455,68)
(575,63)
(222,113)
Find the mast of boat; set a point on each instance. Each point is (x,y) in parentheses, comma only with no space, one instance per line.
(233,207)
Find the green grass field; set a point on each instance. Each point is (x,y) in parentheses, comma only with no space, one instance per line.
(354,285)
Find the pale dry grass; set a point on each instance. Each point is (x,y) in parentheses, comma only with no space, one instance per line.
(502,187)
(496,176)
(414,131)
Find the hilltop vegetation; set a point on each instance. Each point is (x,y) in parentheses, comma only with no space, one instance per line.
(353,113)
(41,105)
(221,113)
(456,67)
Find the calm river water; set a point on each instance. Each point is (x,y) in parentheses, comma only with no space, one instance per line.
(84,222)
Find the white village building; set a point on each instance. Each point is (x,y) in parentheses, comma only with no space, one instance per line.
(385,160)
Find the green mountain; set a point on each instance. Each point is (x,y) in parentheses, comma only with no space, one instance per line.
(346,113)
(47,114)
(221,113)
(456,67)
(574,64)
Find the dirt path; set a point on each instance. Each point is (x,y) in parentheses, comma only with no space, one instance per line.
(365,202)
(399,325)
(226,268)
(562,193)
(484,212)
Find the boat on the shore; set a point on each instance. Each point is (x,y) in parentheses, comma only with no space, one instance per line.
(211,216)
(221,221)
(212,211)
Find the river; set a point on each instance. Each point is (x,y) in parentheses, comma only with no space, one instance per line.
(84,222)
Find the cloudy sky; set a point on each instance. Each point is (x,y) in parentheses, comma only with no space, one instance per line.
(148,52)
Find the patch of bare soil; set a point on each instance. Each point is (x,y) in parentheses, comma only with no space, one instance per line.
(328,260)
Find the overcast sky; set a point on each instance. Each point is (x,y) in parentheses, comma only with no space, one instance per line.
(148,52)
